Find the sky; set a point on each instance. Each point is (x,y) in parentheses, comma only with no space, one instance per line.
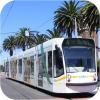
(30,14)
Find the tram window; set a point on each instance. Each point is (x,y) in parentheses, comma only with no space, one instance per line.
(50,63)
(16,66)
(58,64)
(20,66)
(41,65)
(32,65)
(7,66)
(44,74)
(25,69)
(11,67)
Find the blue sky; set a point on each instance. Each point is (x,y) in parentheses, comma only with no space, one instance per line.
(30,14)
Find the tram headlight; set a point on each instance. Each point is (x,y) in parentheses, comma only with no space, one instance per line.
(69,78)
(94,76)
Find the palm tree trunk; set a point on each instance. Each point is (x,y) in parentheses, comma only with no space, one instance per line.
(23,47)
(11,51)
(69,32)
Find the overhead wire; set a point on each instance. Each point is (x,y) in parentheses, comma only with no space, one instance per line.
(8,32)
(15,32)
(43,23)
(7,14)
(35,28)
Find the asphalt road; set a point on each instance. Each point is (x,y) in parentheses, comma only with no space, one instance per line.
(17,90)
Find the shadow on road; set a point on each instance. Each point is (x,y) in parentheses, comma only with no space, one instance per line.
(58,95)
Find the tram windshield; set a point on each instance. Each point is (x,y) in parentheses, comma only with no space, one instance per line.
(79,59)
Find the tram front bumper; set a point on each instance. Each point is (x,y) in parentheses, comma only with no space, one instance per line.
(82,88)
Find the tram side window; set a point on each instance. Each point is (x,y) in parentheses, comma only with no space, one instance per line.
(7,66)
(41,64)
(57,63)
(20,66)
(13,69)
(16,66)
(44,74)
(50,63)
(32,65)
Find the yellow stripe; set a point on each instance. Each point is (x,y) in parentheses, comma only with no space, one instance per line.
(28,81)
(91,76)
(74,76)
(61,78)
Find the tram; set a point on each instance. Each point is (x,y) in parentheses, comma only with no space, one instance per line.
(60,65)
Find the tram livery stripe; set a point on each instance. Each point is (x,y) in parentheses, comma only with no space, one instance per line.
(61,78)
(44,64)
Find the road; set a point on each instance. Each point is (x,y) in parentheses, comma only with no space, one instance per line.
(17,90)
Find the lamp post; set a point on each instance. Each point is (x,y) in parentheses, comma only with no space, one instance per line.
(74,18)
(27,34)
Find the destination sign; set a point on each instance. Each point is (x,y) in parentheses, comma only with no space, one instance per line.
(78,42)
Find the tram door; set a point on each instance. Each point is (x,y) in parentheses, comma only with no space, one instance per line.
(40,69)
(28,70)
(25,69)
(7,68)
(15,68)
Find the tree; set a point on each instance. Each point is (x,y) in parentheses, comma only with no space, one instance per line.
(9,44)
(64,18)
(23,41)
(38,39)
(2,68)
(55,33)
(90,16)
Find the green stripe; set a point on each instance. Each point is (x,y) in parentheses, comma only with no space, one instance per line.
(44,64)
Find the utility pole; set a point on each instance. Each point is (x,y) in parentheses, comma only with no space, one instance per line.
(27,34)
(73,18)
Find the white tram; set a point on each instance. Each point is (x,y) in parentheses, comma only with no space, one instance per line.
(60,65)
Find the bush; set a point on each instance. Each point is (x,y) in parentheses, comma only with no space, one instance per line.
(2,68)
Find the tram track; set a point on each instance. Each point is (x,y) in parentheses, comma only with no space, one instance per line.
(23,93)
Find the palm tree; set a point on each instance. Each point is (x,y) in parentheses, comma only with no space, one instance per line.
(9,44)
(38,39)
(23,41)
(91,16)
(64,18)
(56,33)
